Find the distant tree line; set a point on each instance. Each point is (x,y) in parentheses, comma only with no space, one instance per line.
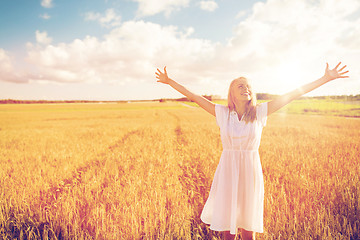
(267,96)
(259,96)
(338,97)
(13,101)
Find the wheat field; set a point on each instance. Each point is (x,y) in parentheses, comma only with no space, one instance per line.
(144,170)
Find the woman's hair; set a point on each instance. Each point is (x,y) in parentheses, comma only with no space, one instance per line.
(250,109)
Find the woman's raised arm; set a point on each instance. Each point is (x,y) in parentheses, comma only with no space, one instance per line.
(329,75)
(201,101)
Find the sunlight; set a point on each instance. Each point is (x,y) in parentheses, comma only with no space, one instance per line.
(289,75)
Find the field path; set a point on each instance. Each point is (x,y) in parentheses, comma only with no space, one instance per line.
(193,166)
(65,185)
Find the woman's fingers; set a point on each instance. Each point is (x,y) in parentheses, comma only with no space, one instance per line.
(159,71)
(337,66)
(161,75)
(343,74)
(341,68)
(158,74)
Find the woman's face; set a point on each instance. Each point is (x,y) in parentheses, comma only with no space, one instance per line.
(241,90)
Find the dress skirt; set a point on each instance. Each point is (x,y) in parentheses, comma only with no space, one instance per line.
(236,198)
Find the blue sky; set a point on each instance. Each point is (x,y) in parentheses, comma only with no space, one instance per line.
(110,49)
(67,19)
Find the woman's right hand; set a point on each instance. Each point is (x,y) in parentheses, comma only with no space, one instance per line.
(163,77)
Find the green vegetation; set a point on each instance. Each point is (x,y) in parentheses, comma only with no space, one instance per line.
(323,107)
(313,106)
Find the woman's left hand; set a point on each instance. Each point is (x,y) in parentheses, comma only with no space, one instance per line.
(335,73)
(163,77)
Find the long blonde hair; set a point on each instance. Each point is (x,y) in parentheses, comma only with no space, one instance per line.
(250,108)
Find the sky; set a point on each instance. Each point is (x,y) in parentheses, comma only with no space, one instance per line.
(110,49)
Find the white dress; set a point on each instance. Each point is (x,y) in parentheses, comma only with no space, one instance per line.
(236,198)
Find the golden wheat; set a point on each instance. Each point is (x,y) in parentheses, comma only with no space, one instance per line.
(143,171)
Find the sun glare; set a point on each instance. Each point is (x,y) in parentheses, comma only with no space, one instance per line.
(289,75)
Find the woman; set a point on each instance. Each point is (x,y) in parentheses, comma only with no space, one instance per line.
(236,197)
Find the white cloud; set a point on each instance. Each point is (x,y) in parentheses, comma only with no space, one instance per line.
(7,69)
(274,35)
(109,19)
(47,3)
(275,46)
(45,16)
(6,65)
(42,37)
(208,5)
(128,53)
(153,7)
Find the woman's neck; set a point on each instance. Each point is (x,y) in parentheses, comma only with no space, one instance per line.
(240,107)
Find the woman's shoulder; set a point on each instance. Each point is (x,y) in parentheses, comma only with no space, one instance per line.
(261,106)
(261,112)
(221,105)
(221,108)
(221,113)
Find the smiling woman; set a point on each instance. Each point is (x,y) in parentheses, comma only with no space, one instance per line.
(236,198)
